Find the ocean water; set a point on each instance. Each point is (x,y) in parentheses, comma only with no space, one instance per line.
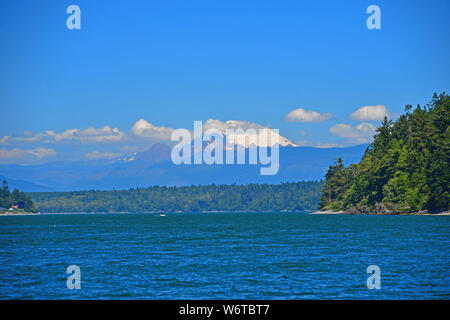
(224,256)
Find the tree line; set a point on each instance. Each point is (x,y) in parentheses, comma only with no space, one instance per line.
(296,196)
(405,169)
(15,198)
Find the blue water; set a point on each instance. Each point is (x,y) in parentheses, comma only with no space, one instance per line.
(224,256)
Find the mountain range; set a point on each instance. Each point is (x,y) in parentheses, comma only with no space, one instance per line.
(154,167)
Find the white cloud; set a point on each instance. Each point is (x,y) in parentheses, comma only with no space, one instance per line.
(95,155)
(142,128)
(17,155)
(327,145)
(88,135)
(370,113)
(230,124)
(302,115)
(362,133)
(6,154)
(4,140)
(305,143)
(105,134)
(42,152)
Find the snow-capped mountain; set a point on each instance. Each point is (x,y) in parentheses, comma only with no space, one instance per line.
(247,133)
(154,167)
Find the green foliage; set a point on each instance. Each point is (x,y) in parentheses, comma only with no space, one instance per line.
(8,199)
(252,197)
(405,169)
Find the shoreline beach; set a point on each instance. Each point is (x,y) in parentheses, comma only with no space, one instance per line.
(325,212)
(443,213)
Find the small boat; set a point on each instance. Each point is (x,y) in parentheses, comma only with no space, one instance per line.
(162,214)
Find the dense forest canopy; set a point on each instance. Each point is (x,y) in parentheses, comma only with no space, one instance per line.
(252,197)
(15,198)
(405,169)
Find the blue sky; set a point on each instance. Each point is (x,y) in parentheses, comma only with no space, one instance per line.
(173,62)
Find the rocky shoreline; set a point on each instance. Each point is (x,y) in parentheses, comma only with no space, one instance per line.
(9,214)
(418,213)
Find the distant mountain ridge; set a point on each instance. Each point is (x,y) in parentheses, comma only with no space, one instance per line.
(154,167)
(24,185)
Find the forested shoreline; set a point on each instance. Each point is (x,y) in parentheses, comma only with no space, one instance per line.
(16,200)
(405,169)
(295,196)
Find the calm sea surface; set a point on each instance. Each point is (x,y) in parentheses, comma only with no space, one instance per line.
(224,256)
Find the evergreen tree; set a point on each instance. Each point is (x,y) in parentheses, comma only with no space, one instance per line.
(8,199)
(406,168)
